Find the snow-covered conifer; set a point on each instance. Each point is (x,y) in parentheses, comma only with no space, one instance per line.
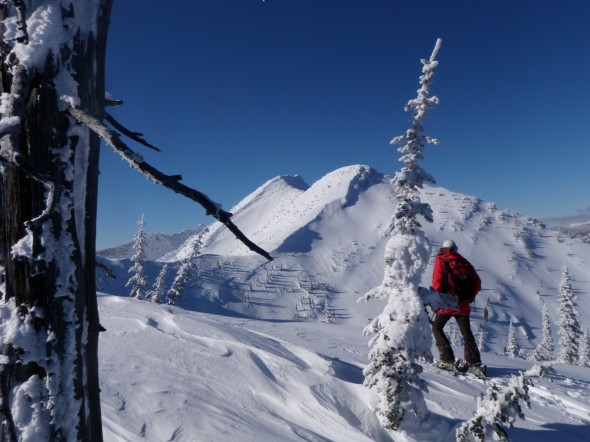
(486,310)
(401,333)
(584,358)
(544,351)
(328,314)
(569,326)
(181,279)
(186,269)
(481,337)
(138,280)
(501,406)
(511,346)
(157,291)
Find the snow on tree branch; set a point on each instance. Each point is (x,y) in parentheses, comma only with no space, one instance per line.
(401,332)
(501,406)
(169,181)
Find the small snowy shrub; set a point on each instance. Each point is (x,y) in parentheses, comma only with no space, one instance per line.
(500,406)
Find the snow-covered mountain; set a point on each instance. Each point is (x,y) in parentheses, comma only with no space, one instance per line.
(158,244)
(327,241)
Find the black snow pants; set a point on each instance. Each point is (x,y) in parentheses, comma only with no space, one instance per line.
(471,352)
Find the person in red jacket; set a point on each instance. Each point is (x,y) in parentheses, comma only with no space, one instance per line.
(447,258)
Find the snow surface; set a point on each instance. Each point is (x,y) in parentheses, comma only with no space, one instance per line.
(247,355)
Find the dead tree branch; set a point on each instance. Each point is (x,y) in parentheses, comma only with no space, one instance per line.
(171,182)
(106,269)
(136,136)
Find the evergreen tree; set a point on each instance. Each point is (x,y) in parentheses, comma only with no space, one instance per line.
(511,347)
(501,406)
(328,314)
(481,337)
(544,351)
(402,332)
(183,276)
(186,270)
(486,310)
(584,359)
(157,291)
(569,326)
(138,280)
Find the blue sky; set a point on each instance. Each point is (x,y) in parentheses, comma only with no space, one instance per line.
(236,92)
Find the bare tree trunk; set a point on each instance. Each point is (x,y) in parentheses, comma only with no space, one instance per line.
(48,200)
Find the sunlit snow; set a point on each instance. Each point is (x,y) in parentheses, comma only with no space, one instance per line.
(249,355)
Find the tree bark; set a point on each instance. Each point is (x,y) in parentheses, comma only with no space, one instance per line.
(48,200)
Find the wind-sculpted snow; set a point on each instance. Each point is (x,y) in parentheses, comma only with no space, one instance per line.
(172,374)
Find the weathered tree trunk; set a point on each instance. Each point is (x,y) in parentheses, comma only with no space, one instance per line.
(48,200)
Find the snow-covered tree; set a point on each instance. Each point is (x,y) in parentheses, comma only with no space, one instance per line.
(52,60)
(545,348)
(569,330)
(584,357)
(138,280)
(511,346)
(401,332)
(156,293)
(486,310)
(500,406)
(328,315)
(186,270)
(52,110)
(183,275)
(481,337)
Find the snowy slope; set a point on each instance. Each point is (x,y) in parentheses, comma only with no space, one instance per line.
(171,374)
(327,240)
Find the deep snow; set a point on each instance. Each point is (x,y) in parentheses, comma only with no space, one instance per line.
(247,354)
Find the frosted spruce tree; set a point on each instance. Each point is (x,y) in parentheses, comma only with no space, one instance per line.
(569,329)
(511,346)
(481,337)
(584,357)
(183,276)
(138,280)
(186,270)
(545,348)
(156,293)
(401,333)
(500,406)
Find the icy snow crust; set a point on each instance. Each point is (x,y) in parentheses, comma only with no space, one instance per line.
(247,355)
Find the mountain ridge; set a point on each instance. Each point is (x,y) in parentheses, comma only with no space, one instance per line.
(328,240)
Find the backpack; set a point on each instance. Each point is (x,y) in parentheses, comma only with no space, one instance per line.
(456,279)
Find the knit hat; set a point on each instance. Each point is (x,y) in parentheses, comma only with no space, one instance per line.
(450,244)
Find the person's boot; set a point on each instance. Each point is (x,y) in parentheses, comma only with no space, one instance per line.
(444,365)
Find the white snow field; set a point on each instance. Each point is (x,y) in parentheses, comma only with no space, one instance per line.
(274,351)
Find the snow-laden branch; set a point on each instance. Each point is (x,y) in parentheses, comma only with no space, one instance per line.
(169,181)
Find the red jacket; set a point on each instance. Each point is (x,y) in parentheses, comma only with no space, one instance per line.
(438,281)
